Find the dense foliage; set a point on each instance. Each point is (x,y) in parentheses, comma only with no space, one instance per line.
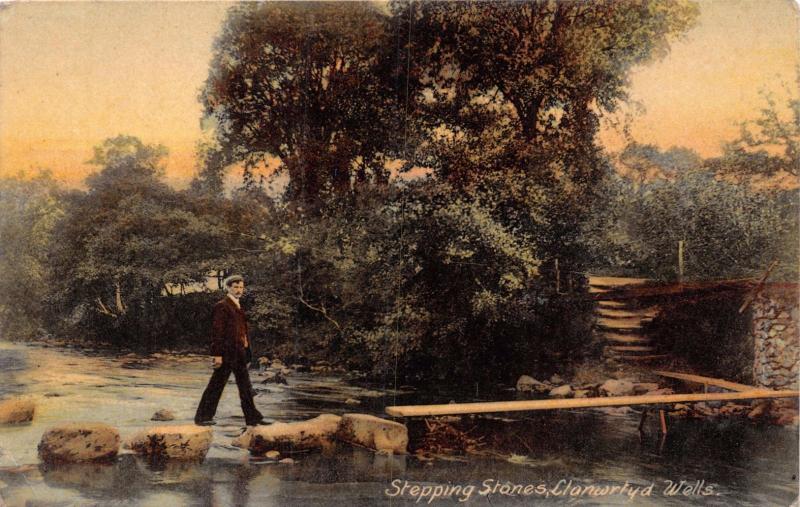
(729,230)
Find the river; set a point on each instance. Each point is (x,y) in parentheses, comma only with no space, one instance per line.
(557,454)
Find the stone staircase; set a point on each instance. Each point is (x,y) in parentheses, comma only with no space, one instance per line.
(620,323)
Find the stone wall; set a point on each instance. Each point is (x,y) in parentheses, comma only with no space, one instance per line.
(776,318)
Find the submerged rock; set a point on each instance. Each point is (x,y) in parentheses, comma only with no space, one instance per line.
(16,410)
(186,442)
(314,433)
(786,417)
(373,432)
(78,442)
(163,415)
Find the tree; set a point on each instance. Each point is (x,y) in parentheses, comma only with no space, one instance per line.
(541,72)
(301,82)
(119,244)
(29,210)
(209,180)
(645,162)
(766,146)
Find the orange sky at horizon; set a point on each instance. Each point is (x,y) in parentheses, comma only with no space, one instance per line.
(74,74)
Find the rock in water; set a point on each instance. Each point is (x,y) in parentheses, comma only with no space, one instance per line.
(526,384)
(617,388)
(163,415)
(273,377)
(186,442)
(373,432)
(16,410)
(314,433)
(77,442)
(644,387)
(564,391)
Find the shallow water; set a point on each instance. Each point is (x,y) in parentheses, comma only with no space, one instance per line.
(740,463)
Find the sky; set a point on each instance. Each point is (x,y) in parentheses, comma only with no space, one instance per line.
(74,74)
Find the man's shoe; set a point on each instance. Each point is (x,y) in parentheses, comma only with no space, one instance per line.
(206,423)
(260,422)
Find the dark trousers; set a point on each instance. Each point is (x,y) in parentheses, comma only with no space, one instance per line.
(210,399)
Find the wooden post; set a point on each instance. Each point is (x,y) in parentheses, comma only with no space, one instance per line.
(641,421)
(680,260)
(663,422)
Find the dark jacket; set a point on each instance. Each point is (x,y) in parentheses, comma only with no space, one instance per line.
(229,332)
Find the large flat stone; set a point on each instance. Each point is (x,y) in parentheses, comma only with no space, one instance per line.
(16,410)
(185,442)
(373,432)
(79,442)
(314,433)
(613,387)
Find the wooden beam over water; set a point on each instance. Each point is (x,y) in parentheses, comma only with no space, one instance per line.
(562,404)
(699,379)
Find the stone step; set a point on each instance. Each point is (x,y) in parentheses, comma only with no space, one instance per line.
(613,324)
(632,348)
(615,281)
(626,338)
(617,305)
(653,357)
(610,313)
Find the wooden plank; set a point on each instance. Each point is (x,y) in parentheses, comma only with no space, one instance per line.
(611,401)
(699,379)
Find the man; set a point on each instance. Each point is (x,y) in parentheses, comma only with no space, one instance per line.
(230,350)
